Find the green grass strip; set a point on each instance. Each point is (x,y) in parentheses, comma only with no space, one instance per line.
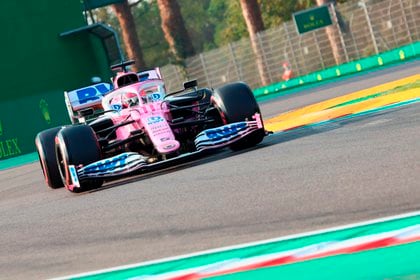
(395,262)
(257,250)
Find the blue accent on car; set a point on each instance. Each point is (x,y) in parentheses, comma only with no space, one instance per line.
(226,130)
(155,119)
(107,164)
(92,93)
(153,97)
(87,94)
(102,88)
(73,175)
(116,107)
(224,135)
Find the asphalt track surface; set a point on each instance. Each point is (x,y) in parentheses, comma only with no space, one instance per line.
(303,180)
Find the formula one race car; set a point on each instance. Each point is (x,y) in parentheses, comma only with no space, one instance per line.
(136,127)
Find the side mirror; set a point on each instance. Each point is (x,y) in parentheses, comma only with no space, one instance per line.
(190,84)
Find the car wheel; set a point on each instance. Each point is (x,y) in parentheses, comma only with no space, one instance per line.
(77,145)
(45,145)
(237,103)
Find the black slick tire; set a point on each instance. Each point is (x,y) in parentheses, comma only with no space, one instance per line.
(45,145)
(77,145)
(237,103)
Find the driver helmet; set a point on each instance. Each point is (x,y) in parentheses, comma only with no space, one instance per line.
(129,99)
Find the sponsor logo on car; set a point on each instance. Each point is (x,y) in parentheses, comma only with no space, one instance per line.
(73,176)
(116,164)
(92,93)
(107,164)
(169,146)
(153,97)
(155,119)
(225,130)
(116,107)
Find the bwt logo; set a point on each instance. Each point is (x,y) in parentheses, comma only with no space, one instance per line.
(155,96)
(153,120)
(116,107)
(107,164)
(92,93)
(226,130)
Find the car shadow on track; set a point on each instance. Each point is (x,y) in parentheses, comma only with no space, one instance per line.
(313,129)
(272,139)
(218,155)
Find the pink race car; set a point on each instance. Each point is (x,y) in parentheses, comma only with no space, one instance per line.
(136,126)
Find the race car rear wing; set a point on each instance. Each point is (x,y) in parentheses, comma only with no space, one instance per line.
(85,101)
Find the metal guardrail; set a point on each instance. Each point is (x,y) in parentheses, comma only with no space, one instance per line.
(365,28)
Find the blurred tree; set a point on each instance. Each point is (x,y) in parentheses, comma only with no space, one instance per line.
(253,19)
(148,25)
(334,36)
(211,23)
(174,30)
(199,25)
(129,34)
(275,12)
(229,24)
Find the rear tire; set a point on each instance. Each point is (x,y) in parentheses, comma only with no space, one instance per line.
(77,145)
(45,145)
(236,103)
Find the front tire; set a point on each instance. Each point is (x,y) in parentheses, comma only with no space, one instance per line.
(236,103)
(45,145)
(77,145)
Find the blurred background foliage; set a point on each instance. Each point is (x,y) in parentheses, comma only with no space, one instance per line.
(210,23)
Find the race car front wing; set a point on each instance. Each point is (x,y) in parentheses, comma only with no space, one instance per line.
(225,135)
(132,163)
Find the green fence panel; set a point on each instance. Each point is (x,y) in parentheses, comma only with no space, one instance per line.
(404,53)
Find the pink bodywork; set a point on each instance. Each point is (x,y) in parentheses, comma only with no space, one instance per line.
(143,103)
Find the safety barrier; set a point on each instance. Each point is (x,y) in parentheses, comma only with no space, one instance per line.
(360,29)
(405,53)
(22,118)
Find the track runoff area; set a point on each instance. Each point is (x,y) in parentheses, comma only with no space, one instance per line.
(387,248)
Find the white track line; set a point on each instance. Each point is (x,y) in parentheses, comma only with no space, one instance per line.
(239,246)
